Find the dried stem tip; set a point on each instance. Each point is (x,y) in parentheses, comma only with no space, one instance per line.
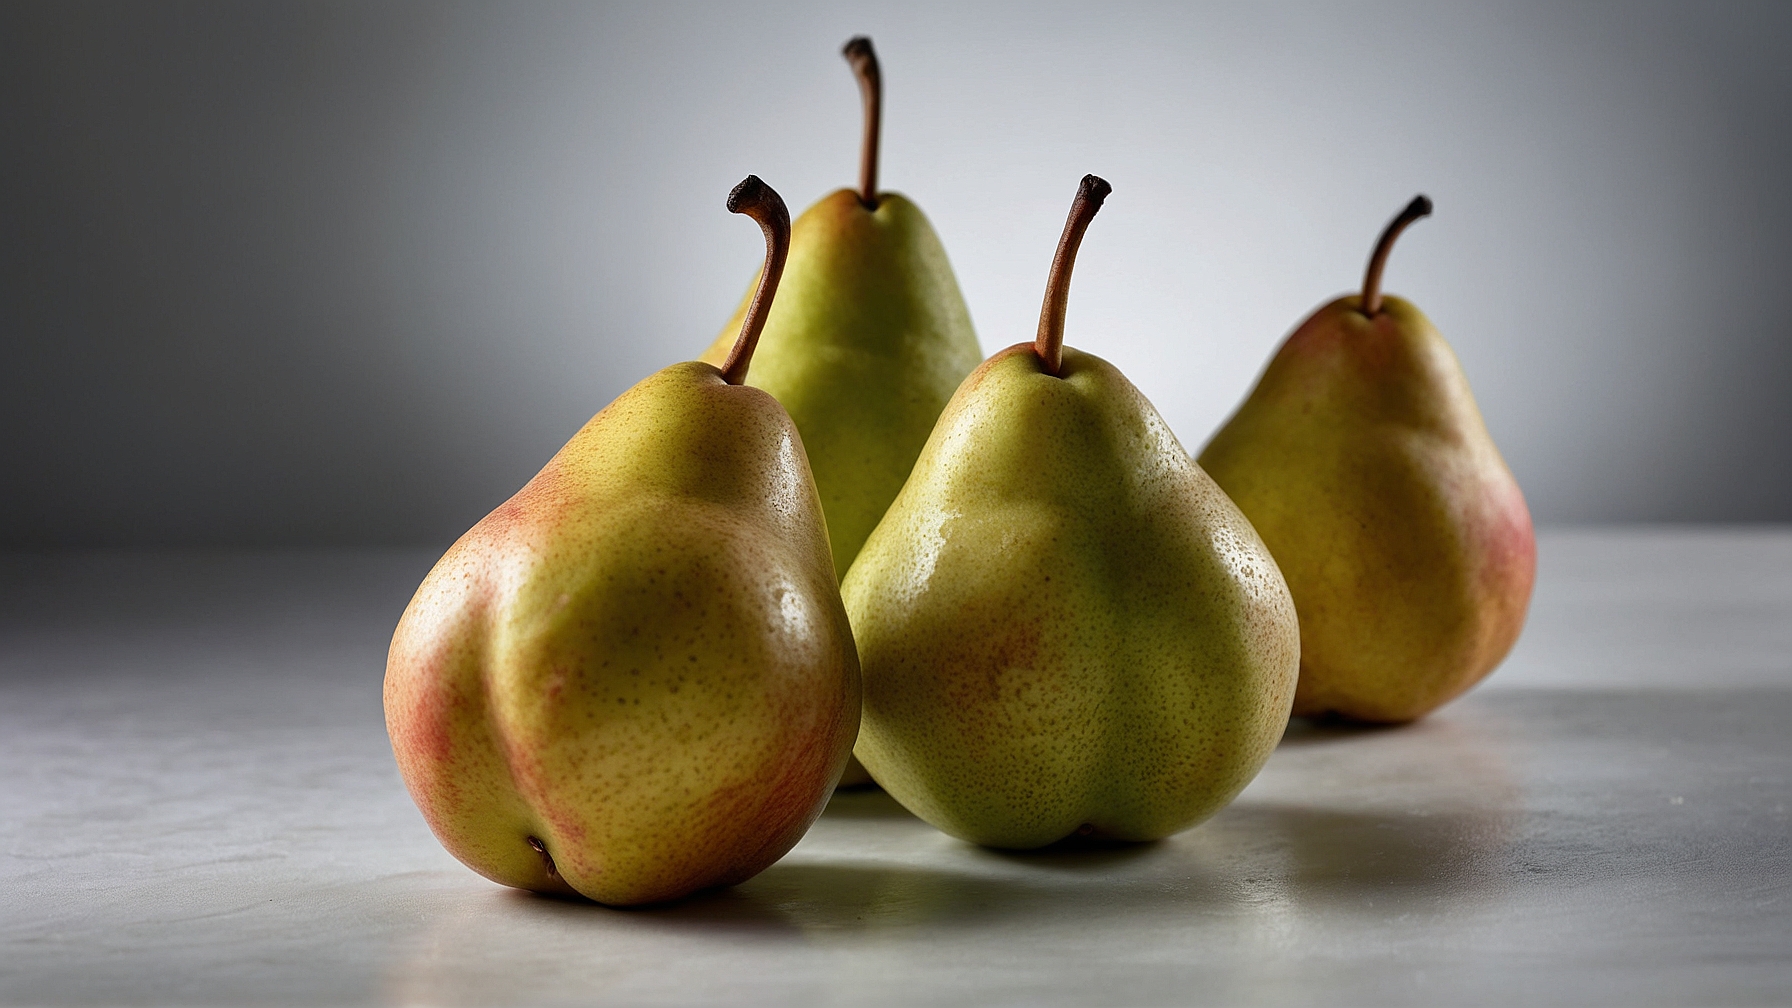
(1049,343)
(1371,301)
(859,53)
(762,203)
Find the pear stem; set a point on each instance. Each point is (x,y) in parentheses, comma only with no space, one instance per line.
(1049,343)
(1371,301)
(859,53)
(762,203)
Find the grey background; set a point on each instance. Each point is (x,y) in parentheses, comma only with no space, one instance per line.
(344,274)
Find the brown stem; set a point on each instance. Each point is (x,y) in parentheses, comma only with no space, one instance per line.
(1371,303)
(762,203)
(858,52)
(1049,343)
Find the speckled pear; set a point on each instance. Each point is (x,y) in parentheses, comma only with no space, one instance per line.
(1362,459)
(1065,627)
(635,679)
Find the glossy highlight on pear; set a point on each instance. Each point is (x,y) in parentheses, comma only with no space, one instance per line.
(635,679)
(1363,460)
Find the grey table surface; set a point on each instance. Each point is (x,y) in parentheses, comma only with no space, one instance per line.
(200,807)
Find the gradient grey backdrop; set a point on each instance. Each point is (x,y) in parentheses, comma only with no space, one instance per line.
(349,273)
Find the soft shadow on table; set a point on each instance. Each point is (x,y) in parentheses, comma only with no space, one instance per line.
(1088,855)
(1419,813)
(1332,857)
(1307,844)
(865,803)
(1303,731)
(1312,856)
(1349,813)
(1257,867)
(1405,813)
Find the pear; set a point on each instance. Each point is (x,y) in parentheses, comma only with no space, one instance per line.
(1064,626)
(635,679)
(1361,458)
(868,339)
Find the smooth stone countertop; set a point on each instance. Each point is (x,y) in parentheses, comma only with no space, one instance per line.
(200,807)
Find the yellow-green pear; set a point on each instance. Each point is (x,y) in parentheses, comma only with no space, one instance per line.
(635,679)
(1064,626)
(868,339)
(1361,458)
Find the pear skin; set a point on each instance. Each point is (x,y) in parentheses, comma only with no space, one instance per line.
(866,343)
(634,679)
(1064,626)
(1363,461)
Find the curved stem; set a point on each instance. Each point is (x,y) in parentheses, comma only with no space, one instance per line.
(1371,303)
(858,52)
(762,203)
(1049,343)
